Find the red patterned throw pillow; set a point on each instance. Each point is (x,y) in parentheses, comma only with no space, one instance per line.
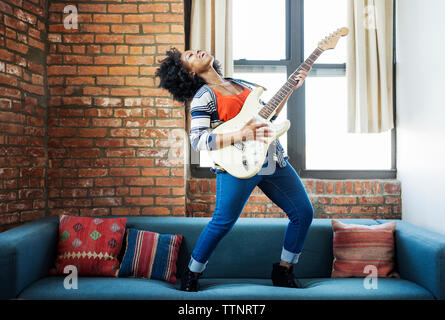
(90,244)
(358,249)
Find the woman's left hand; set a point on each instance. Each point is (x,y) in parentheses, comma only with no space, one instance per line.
(300,77)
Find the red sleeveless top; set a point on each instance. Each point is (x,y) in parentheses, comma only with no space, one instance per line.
(230,105)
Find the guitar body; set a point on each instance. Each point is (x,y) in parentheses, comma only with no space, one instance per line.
(245,159)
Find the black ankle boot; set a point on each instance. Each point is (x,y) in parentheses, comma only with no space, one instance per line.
(283,276)
(189,282)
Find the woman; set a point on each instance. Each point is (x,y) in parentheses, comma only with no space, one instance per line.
(195,75)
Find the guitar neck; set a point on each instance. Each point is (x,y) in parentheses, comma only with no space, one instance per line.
(269,109)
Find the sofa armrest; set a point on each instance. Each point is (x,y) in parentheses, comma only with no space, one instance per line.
(27,253)
(421,257)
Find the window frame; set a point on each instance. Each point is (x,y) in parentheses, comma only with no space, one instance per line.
(297,104)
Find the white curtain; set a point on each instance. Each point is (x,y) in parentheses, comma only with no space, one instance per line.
(369,66)
(211,30)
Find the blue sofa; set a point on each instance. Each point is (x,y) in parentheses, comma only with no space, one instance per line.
(239,268)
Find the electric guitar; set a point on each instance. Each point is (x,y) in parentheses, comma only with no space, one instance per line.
(244,159)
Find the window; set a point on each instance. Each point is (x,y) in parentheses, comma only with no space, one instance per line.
(328,145)
(271,39)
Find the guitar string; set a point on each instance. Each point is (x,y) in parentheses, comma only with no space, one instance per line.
(270,107)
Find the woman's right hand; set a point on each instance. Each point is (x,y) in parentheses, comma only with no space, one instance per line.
(255,131)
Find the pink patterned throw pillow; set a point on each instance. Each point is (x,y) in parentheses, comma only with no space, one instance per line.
(360,248)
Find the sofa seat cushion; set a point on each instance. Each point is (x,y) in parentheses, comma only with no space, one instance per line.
(95,288)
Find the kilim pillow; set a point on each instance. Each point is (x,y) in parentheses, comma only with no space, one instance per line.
(90,244)
(360,248)
(150,255)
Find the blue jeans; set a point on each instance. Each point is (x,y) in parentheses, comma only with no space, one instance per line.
(283,187)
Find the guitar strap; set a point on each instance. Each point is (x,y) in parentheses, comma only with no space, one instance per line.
(247,82)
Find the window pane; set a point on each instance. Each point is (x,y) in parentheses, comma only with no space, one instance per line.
(328,145)
(272,79)
(259,29)
(322,17)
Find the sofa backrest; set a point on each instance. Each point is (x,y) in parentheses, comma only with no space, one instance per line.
(251,247)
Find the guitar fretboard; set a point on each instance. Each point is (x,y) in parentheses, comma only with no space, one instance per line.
(291,82)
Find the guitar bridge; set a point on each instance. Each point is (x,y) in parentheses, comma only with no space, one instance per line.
(245,163)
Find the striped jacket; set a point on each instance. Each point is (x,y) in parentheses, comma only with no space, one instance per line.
(203,110)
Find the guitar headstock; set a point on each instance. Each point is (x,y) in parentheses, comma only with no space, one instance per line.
(330,41)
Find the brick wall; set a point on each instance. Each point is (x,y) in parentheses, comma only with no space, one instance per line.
(374,199)
(108,123)
(23,158)
(86,130)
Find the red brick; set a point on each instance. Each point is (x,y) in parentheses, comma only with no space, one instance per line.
(178,191)
(329,187)
(138,201)
(156,211)
(131,28)
(155,28)
(376,187)
(358,187)
(363,209)
(177,7)
(78,38)
(143,8)
(139,162)
(25,16)
(95,91)
(170,38)
(94,28)
(92,70)
(15,24)
(193,186)
(392,188)
(155,172)
(324,200)
(139,142)
(343,200)
(9,218)
(106,202)
(109,38)
(108,60)
(169,18)
(107,18)
(124,92)
(203,186)
(254,208)
(144,39)
(139,60)
(179,211)
(335,210)
(170,201)
(393,200)
(138,18)
(169,181)
(139,181)
(125,211)
(319,187)
(122,8)
(348,187)
(177,28)
(370,200)
(124,172)
(156,191)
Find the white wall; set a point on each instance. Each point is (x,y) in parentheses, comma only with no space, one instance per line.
(420,46)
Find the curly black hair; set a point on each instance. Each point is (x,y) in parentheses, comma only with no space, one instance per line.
(176,79)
